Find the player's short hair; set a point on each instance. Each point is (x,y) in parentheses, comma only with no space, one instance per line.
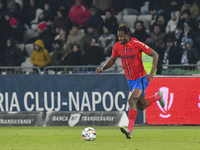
(125,29)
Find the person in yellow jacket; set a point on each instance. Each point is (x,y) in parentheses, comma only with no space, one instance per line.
(147,62)
(40,56)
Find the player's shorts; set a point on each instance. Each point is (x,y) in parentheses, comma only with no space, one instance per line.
(140,83)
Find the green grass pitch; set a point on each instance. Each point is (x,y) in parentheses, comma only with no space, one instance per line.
(108,138)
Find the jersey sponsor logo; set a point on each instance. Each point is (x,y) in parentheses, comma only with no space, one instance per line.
(127,56)
(146,46)
(168,97)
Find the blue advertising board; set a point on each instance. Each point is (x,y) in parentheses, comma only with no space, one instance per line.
(105,92)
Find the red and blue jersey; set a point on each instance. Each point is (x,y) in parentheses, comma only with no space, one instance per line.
(131,57)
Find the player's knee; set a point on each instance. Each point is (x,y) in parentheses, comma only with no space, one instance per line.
(141,107)
(132,101)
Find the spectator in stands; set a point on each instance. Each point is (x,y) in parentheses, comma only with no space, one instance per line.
(158,36)
(107,40)
(197,2)
(88,3)
(29,11)
(187,33)
(117,6)
(57,53)
(197,37)
(14,55)
(39,17)
(16,11)
(75,37)
(32,30)
(62,21)
(94,55)
(50,25)
(131,7)
(67,4)
(48,12)
(15,27)
(95,19)
(172,5)
(185,17)
(62,36)
(170,54)
(79,13)
(4,30)
(111,22)
(40,56)
(45,35)
(189,54)
(156,6)
(150,42)
(2,7)
(102,5)
(140,32)
(192,6)
(74,57)
(160,20)
(54,5)
(92,32)
(172,24)
(19,2)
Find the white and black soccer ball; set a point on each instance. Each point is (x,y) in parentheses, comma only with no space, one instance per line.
(89,134)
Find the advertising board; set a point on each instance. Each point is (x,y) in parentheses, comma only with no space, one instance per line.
(182,99)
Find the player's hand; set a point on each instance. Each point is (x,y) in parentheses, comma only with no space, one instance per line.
(150,77)
(99,70)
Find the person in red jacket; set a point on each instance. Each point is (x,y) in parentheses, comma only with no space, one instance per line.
(79,13)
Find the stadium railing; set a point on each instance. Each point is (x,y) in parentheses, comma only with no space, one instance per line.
(19,70)
(91,69)
(181,69)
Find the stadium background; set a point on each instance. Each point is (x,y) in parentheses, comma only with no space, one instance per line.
(72,90)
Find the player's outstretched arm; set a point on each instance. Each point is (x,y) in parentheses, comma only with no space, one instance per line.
(107,65)
(155,56)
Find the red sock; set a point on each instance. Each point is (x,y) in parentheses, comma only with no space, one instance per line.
(132,116)
(153,98)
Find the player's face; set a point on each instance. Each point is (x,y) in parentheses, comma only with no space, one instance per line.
(123,38)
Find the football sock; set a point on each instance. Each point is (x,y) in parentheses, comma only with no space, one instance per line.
(132,116)
(153,98)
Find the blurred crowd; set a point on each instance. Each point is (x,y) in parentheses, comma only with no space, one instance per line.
(73,32)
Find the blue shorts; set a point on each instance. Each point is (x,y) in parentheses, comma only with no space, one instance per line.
(140,83)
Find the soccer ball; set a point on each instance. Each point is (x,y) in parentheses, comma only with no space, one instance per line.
(89,134)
